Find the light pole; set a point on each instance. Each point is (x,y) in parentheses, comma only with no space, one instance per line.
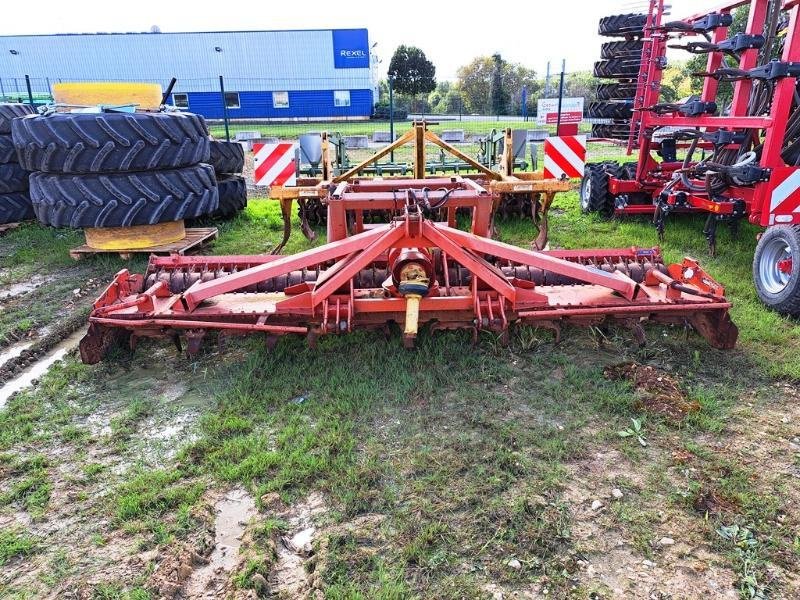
(391,116)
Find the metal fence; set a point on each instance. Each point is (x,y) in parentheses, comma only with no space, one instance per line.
(263,109)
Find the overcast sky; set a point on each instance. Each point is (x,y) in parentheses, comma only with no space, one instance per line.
(531,32)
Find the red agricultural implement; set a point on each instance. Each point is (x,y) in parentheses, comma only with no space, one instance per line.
(731,152)
(410,271)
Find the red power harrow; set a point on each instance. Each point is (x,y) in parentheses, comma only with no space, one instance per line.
(410,271)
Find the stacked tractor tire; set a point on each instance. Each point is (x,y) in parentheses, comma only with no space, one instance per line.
(619,64)
(227,159)
(15,201)
(116,169)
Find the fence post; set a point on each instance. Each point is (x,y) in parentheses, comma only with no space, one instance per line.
(28,85)
(391,117)
(2,91)
(49,88)
(560,96)
(224,108)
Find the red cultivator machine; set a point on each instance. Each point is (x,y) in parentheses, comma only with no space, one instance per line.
(728,158)
(410,271)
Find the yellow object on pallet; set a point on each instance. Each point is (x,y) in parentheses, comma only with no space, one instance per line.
(139,236)
(146,96)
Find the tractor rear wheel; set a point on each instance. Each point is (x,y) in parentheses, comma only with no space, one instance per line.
(226,157)
(124,199)
(15,207)
(594,196)
(622,25)
(622,49)
(8,153)
(616,131)
(110,142)
(776,268)
(617,68)
(13,178)
(610,110)
(232,195)
(9,112)
(616,91)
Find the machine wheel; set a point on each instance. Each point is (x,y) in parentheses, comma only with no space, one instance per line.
(15,207)
(13,178)
(232,196)
(594,196)
(226,157)
(9,112)
(776,268)
(8,153)
(110,142)
(124,199)
(617,68)
(617,131)
(622,25)
(622,49)
(616,91)
(610,110)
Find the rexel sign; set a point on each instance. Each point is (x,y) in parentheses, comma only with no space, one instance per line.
(350,49)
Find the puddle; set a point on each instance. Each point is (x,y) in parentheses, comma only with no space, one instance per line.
(17,289)
(289,577)
(234,511)
(14,350)
(40,367)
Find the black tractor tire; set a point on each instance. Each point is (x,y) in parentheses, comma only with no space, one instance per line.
(617,68)
(79,143)
(232,196)
(8,154)
(616,91)
(124,199)
(15,207)
(621,49)
(593,195)
(226,157)
(631,24)
(777,288)
(610,110)
(628,171)
(615,131)
(13,178)
(9,112)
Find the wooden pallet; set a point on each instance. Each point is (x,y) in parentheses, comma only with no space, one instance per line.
(195,238)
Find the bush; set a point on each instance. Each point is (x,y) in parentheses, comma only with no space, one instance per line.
(381,112)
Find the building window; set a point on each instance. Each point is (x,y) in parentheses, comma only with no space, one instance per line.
(232,100)
(280,99)
(180,100)
(341,98)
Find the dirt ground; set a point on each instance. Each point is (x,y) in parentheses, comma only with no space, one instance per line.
(592,469)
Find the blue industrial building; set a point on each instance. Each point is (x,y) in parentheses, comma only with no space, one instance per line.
(294,74)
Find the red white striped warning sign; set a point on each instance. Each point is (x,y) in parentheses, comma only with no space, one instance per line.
(274,164)
(564,156)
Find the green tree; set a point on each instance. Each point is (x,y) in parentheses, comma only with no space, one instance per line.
(475,82)
(411,71)
(499,94)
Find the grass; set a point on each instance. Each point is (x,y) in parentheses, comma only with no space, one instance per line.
(438,466)
(14,544)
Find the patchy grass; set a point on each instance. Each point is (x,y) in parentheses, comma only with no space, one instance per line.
(14,544)
(473,463)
